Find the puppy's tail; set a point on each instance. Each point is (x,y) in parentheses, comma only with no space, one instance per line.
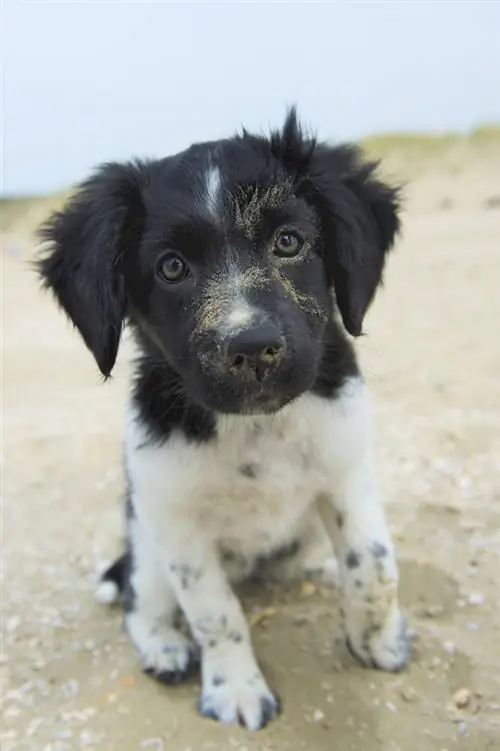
(112,581)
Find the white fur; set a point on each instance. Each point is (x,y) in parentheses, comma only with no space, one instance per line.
(212,183)
(315,455)
(107,593)
(239,316)
(203,487)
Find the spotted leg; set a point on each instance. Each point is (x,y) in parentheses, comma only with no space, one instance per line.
(150,608)
(233,687)
(353,516)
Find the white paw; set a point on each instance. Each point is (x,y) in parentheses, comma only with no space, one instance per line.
(386,648)
(238,699)
(165,653)
(107,593)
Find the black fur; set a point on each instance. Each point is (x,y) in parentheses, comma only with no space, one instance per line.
(117,572)
(104,248)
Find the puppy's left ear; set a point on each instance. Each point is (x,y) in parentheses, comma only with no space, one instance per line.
(359,214)
(86,243)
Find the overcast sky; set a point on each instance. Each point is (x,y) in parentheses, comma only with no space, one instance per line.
(90,80)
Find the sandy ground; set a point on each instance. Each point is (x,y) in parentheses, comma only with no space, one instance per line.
(433,360)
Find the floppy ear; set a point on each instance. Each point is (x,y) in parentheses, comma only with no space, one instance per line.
(82,263)
(359,216)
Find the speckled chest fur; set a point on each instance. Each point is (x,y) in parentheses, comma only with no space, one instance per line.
(251,487)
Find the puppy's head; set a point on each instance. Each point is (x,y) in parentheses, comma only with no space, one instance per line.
(226,259)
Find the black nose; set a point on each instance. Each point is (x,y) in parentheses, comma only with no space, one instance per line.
(255,352)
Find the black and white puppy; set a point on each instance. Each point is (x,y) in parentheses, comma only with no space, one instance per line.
(248,431)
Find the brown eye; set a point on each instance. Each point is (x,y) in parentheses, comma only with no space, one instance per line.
(288,244)
(172,268)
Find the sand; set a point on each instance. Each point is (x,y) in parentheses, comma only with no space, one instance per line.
(432,358)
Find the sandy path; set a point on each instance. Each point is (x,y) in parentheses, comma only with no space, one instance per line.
(433,360)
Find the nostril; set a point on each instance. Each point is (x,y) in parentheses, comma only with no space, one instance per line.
(270,353)
(238,361)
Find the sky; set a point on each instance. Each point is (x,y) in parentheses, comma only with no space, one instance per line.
(87,81)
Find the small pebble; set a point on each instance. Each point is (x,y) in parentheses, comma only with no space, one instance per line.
(12,623)
(462,728)
(261,617)
(442,465)
(408,694)
(476,599)
(64,735)
(449,647)
(462,697)
(318,715)
(308,589)
(70,689)
(391,707)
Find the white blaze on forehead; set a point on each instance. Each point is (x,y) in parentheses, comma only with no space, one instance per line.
(212,182)
(239,316)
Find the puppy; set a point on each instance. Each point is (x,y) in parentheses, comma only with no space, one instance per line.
(241,266)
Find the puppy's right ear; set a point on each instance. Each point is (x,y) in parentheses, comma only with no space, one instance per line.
(87,240)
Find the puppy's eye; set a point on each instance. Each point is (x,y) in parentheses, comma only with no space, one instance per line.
(288,244)
(172,268)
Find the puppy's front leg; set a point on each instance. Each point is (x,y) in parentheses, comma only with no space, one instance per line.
(353,515)
(233,689)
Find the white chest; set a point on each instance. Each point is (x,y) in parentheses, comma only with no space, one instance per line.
(250,487)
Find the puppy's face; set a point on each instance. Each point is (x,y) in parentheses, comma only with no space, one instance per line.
(227,280)
(226,259)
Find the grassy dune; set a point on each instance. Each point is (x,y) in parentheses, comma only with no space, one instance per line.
(409,156)
(405,156)
(24,213)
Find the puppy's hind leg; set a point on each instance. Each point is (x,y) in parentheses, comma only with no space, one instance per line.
(150,610)
(112,581)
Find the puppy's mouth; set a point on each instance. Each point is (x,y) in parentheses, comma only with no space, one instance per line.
(248,401)
(260,405)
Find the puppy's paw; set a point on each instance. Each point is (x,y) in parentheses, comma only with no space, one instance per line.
(386,648)
(170,661)
(244,700)
(164,652)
